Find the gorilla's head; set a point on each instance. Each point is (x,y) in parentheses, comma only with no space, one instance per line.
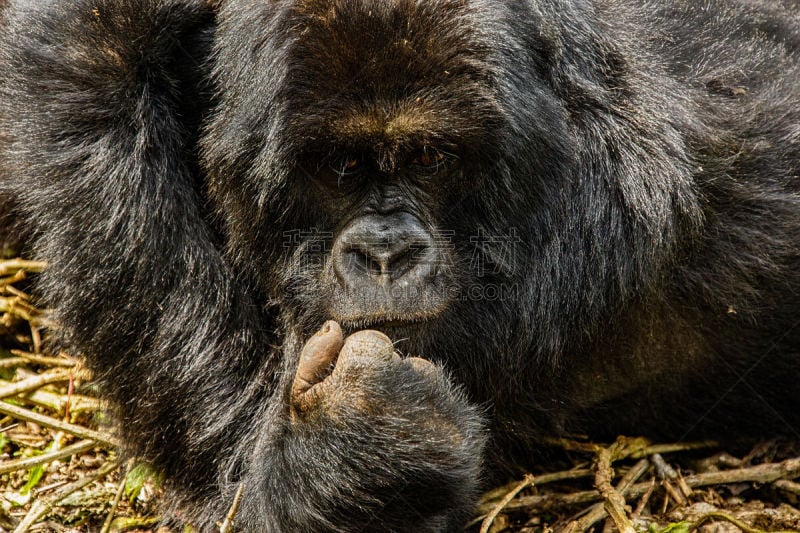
(412,166)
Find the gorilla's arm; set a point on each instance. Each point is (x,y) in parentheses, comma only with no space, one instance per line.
(98,147)
(96,153)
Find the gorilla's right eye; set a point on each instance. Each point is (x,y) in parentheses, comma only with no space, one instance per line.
(348,165)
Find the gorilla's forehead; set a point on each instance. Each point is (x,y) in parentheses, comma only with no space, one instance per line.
(386,43)
(389,71)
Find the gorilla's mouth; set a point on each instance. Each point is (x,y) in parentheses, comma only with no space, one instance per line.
(383,321)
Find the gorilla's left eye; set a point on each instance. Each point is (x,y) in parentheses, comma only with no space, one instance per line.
(432,159)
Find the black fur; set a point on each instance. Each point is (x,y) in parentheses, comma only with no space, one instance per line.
(645,158)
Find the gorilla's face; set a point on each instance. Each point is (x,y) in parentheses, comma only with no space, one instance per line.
(369,147)
(384,153)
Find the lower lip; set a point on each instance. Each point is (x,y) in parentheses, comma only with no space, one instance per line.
(356,325)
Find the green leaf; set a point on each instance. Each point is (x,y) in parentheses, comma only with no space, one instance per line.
(136,479)
(34,477)
(678,527)
(35,474)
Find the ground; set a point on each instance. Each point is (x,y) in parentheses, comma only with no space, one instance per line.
(59,470)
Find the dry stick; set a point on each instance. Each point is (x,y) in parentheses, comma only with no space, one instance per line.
(13,265)
(58,402)
(13,291)
(117,497)
(32,383)
(644,499)
(788,486)
(672,448)
(48,488)
(717,515)
(227,524)
(28,462)
(575,473)
(614,501)
(18,307)
(41,508)
(665,503)
(44,360)
(635,447)
(685,489)
(672,492)
(764,473)
(36,338)
(663,469)
(667,474)
(526,482)
(5,281)
(597,512)
(52,423)
(13,362)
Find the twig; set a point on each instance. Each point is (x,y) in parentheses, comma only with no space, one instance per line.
(643,500)
(663,469)
(46,421)
(12,362)
(614,501)
(227,524)
(667,475)
(48,488)
(717,515)
(44,360)
(117,497)
(672,448)
(672,492)
(13,291)
(5,281)
(489,500)
(633,475)
(635,448)
(12,266)
(35,382)
(28,462)
(764,473)
(597,512)
(36,338)
(788,486)
(41,508)
(18,307)
(686,490)
(58,402)
(528,481)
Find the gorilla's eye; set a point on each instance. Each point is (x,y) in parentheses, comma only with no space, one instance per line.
(348,166)
(432,159)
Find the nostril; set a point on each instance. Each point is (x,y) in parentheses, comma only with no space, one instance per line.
(407,260)
(361,261)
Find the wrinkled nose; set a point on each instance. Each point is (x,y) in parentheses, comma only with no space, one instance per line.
(384,249)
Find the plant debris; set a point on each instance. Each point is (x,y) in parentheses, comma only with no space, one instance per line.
(59,469)
(716,493)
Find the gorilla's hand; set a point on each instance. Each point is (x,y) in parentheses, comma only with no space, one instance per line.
(379,440)
(354,375)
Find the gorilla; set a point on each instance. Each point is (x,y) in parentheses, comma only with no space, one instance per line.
(354,255)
